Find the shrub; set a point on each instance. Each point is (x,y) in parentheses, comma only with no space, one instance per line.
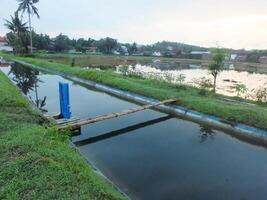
(123,69)
(261,94)
(239,89)
(180,79)
(203,84)
(73,62)
(169,77)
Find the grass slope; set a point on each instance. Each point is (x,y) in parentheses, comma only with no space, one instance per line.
(38,163)
(189,97)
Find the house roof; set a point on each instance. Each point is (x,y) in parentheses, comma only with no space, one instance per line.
(2,39)
(200,52)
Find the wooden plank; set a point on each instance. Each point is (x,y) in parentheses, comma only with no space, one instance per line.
(66,121)
(79,123)
(52,116)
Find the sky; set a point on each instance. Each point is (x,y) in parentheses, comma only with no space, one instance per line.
(229,23)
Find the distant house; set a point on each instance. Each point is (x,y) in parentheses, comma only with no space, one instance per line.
(92,50)
(137,54)
(263,59)
(233,57)
(157,54)
(73,51)
(115,52)
(4,45)
(33,48)
(2,39)
(200,54)
(241,58)
(124,49)
(170,48)
(146,53)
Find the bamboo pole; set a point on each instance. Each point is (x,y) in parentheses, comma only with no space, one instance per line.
(79,123)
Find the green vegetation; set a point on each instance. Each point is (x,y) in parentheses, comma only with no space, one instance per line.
(38,163)
(29,7)
(217,65)
(261,94)
(18,37)
(203,84)
(189,96)
(239,89)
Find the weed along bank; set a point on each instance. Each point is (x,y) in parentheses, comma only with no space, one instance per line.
(153,153)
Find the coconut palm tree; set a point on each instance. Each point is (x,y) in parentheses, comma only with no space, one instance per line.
(29,7)
(15,24)
(18,38)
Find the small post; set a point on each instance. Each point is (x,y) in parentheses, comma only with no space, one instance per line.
(64,100)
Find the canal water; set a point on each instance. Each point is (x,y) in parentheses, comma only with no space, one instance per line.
(151,155)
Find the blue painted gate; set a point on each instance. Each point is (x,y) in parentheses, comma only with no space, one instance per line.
(64,100)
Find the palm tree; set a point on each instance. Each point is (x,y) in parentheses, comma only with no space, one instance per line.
(29,7)
(18,38)
(15,24)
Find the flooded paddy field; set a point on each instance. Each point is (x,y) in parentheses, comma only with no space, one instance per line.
(152,155)
(252,75)
(226,80)
(112,61)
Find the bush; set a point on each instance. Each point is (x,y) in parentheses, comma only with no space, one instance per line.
(204,85)
(239,89)
(180,79)
(123,69)
(169,77)
(261,94)
(73,62)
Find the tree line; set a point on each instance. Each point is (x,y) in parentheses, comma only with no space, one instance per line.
(24,39)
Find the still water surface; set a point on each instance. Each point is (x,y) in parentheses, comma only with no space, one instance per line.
(226,80)
(151,155)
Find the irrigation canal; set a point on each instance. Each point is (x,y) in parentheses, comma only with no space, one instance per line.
(151,155)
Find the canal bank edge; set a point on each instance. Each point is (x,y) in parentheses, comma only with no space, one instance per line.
(103,185)
(237,129)
(46,120)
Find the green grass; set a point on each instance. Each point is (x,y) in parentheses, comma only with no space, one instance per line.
(189,97)
(39,163)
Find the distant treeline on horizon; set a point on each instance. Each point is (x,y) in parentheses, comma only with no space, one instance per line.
(62,43)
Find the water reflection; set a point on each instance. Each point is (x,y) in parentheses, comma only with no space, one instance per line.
(206,133)
(125,130)
(27,80)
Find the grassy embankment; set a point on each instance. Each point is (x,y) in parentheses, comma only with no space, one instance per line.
(38,163)
(189,97)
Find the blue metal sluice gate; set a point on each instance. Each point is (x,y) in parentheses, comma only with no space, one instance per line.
(64,100)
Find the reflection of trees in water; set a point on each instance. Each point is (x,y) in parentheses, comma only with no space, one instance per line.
(27,80)
(24,77)
(206,133)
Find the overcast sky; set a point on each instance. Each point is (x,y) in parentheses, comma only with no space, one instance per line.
(231,23)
